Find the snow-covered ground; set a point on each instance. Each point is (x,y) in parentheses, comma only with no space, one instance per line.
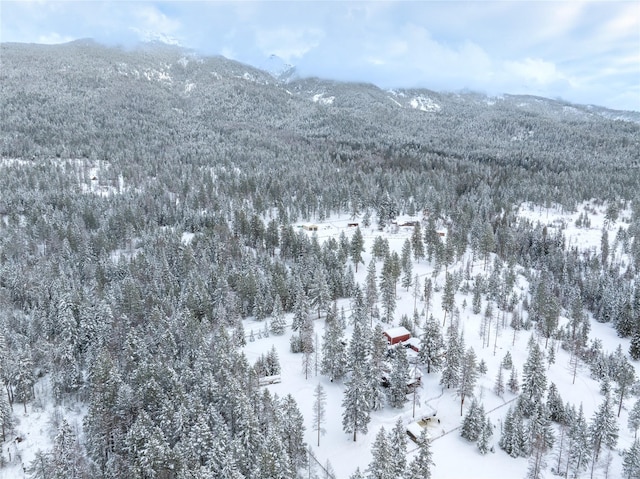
(454,457)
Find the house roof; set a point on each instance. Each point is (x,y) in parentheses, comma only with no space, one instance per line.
(396,332)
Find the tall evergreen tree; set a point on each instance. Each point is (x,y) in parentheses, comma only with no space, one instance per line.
(381,466)
(432,346)
(453,359)
(468,376)
(357,248)
(398,447)
(398,378)
(420,467)
(534,380)
(631,461)
(603,428)
(355,416)
(319,410)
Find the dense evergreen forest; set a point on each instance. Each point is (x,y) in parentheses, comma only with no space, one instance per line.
(147,207)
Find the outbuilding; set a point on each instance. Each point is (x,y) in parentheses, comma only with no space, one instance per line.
(397,335)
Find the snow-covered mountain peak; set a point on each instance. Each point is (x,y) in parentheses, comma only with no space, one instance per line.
(278,68)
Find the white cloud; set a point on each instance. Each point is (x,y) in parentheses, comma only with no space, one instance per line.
(534,70)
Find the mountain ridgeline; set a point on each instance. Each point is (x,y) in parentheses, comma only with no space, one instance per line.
(163,105)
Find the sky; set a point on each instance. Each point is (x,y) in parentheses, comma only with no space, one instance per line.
(584,52)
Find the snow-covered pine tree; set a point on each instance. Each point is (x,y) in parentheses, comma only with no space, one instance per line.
(381,462)
(513,384)
(416,242)
(334,350)
(398,446)
(357,474)
(453,359)
(498,386)
(623,375)
(603,428)
(388,289)
(631,461)
(484,437)
(555,405)
(432,346)
(291,428)
(319,410)
(355,416)
(634,418)
(420,467)
(371,287)
(473,422)
(534,380)
(468,376)
(507,361)
(357,248)
(579,447)
(398,377)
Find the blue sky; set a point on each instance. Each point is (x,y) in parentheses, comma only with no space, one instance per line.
(583,52)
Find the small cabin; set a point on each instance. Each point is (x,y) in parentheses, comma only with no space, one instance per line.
(412,343)
(397,335)
(414,430)
(310,227)
(353,225)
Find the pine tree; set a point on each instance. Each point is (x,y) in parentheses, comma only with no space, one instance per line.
(355,416)
(631,461)
(6,418)
(381,462)
(371,287)
(416,242)
(512,440)
(623,375)
(634,347)
(357,474)
(398,447)
(319,410)
(448,296)
(468,377)
(476,302)
(579,447)
(398,378)
(534,380)
(603,428)
(388,290)
(507,362)
(453,359)
(272,458)
(539,431)
(555,405)
(292,431)
(513,383)
(334,353)
(634,418)
(357,248)
(485,435)
(498,387)
(420,467)
(432,346)
(473,422)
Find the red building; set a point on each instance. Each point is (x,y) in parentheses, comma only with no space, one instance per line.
(397,335)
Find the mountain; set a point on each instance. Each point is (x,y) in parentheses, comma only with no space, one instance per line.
(278,68)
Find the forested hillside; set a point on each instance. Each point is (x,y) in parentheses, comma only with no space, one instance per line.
(150,201)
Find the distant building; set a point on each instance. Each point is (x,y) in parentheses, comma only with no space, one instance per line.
(310,227)
(413,343)
(397,335)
